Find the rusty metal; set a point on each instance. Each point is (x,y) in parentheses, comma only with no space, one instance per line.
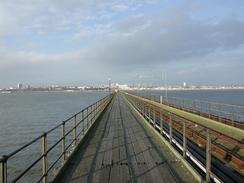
(184,139)
(45,151)
(44,158)
(3,169)
(208,156)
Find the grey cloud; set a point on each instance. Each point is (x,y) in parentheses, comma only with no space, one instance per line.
(128,49)
(17,16)
(157,43)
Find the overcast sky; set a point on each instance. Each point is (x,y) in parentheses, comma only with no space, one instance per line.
(63,42)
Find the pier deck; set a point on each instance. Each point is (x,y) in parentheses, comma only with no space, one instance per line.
(120,147)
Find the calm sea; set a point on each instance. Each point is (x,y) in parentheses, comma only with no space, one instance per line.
(235,97)
(25,115)
(199,100)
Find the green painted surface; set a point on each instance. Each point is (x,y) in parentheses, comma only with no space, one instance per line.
(227,130)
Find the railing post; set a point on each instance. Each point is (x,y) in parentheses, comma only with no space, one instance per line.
(233,116)
(74,126)
(170,128)
(143,110)
(209,110)
(184,139)
(95,110)
(63,142)
(208,157)
(87,120)
(83,122)
(3,169)
(140,108)
(149,113)
(44,158)
(92,114)
(161,122)
(154,118)
(161,99)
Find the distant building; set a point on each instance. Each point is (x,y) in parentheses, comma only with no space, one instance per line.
(20,86)
(124,87)
(184,84)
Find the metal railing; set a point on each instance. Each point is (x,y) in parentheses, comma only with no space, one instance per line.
(167,123)
(72,131)
(226,113)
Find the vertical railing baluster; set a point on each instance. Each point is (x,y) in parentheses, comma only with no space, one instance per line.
(3,169)
(44,158)
(208,157)
(233,116)
(144,110)
(91,121)
(184,139)
(161,99)
(161,122)
(95,110)
(154,118)
(87,118)
(83,122)
(74,129)
(149,113)
(63,142)
(170,128)
(209,110)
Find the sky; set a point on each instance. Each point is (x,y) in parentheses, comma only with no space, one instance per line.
(77,42)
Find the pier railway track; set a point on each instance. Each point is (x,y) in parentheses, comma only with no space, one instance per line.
(222,170)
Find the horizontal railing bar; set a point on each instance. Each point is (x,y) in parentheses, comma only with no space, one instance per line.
(94,108)
(24,146)
(68,132)
(189,104)
(54,128)
(54,145)
(27,169)
(222,116)
(69,119)
(78,134)
(54,163)
(67,147)
(240,143)
(85,109)
(196,100)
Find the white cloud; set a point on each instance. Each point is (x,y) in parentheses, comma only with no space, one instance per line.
(131,43)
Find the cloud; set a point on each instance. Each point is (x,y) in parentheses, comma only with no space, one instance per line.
(126,41)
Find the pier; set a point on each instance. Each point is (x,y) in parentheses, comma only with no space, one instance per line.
(129,138)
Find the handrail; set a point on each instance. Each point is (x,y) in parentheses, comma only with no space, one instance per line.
(198,120)
(93,111)
(227,113)
(159,114)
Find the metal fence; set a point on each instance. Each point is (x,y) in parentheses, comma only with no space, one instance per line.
(70,132)
(167,123)
(226,113)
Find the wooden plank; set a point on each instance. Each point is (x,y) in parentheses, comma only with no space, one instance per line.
(120,150)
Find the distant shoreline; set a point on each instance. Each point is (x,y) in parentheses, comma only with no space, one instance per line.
(48,91)
(185,89)
(130,89)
